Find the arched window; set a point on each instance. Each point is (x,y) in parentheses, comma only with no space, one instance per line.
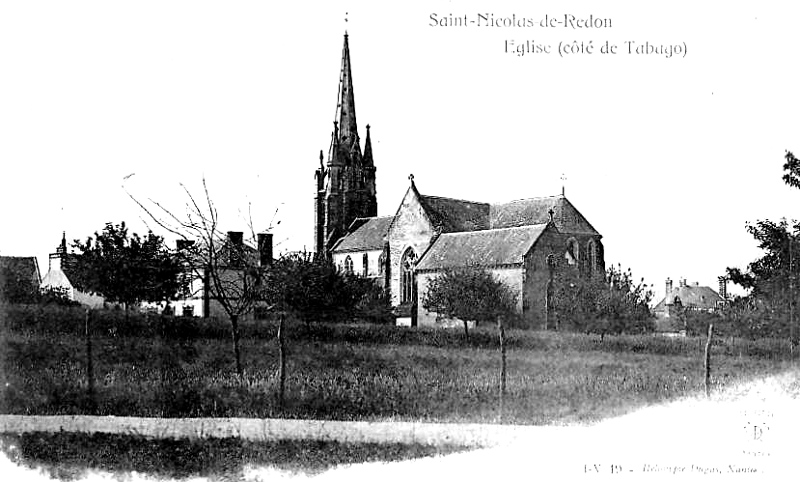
(591,255)
(348,265)
(382,263)
(407,276)
(366,265)
(572,254)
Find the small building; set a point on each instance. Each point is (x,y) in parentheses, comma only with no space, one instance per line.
(688,297)
(60,272)
(234,255)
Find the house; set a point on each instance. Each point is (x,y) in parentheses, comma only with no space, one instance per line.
(231,259)
(19,279)
(428,234)
(689,297)
(60,271)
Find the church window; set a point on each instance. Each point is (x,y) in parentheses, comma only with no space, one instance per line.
(591,251)
(348,265)
(366,265)
(407,276)
(572,254)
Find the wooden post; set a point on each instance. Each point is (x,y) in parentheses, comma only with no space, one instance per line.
(281,361)
(708,359)
(503,365)
(89,363)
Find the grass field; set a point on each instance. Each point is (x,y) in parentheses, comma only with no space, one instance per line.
(69,456)
(368,372)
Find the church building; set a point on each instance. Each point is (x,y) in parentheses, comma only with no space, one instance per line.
(521,242)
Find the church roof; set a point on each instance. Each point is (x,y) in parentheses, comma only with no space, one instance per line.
(456,215)
(365,234)
(490,247)
(699,297)
(526,212)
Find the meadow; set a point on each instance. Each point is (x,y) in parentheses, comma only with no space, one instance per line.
(184,368)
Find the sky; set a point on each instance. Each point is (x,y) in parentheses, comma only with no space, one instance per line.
(667,156)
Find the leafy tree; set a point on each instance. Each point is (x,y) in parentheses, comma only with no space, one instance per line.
(313,289)
(768,309)
(469,294)
(791,169)
(125,268)
(611,302)
(472,293)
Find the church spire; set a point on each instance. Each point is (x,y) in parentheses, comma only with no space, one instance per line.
(367,160)
(348,129)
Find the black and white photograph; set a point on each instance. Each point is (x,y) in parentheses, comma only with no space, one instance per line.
(351,240)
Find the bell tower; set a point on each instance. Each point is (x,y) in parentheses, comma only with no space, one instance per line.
(345,184)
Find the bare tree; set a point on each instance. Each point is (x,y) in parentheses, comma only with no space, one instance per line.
(232,272)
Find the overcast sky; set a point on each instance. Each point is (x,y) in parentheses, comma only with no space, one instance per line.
(668,158)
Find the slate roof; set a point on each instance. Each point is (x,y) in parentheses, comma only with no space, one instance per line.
(456,215)
(366,234)
(490,247)
(24,267)
(19,272)
(700,297)
(526,212)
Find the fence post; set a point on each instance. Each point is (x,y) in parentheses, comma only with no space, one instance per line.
(282,361)
(708,359)
(502,331)
(89,362)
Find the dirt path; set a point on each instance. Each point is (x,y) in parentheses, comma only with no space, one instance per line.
(748,432)
(473,435)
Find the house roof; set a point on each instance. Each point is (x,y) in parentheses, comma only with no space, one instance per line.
(19,272)
(694,296)
(56,278)
(365,234)
(21,267)
(490,247)
(456,215)
(530,211)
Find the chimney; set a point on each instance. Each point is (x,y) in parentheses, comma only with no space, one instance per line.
(669,286)
(235,247)
(682,283)
(265,249)
(697,283)
(55,262)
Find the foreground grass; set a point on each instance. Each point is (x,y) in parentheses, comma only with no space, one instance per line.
(358,372)
(70,456)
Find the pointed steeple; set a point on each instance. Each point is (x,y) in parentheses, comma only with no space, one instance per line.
(367,159)
(348,129)
(348,190)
